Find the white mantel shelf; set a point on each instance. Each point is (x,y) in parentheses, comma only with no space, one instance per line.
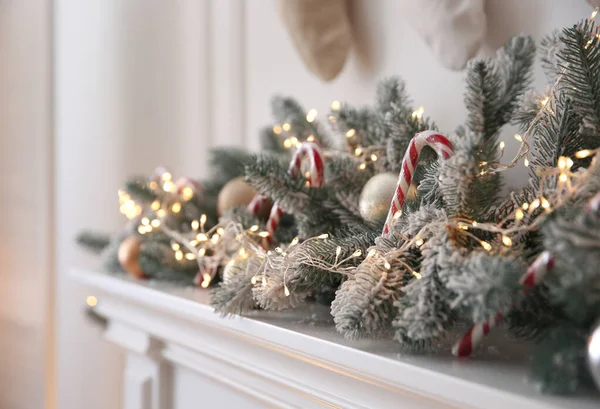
(284,360)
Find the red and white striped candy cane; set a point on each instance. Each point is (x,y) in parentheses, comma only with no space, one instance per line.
(440,144)
(312,151)
(316,177)
(534,275)
(258,205)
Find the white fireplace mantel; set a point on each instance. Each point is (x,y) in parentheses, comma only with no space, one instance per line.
(180,355)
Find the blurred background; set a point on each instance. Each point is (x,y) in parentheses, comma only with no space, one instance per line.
(92,91)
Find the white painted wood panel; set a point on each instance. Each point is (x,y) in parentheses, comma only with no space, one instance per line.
(283,360)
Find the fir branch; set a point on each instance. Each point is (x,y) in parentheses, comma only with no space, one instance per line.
(233,295)
(580,62)
(93,241)
(494,86)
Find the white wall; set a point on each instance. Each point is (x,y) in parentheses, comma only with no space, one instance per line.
(25,203)
(147,82)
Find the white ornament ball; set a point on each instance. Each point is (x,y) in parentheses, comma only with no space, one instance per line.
(376,197)
(593,355)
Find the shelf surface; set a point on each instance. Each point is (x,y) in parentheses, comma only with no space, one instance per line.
(496,376)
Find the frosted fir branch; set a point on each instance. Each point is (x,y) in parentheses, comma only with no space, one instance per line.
(363,126)
(414,222)
(93,241)
(306,267)
(465,182)
(528,108)
(392,95)
(287,110)
(364,304)
(494,86)
(423,314)
(233,295)
(485,285)
(550,48)
(140,191)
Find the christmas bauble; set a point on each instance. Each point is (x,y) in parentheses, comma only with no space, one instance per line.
(593,354)
(128,255)
(376,197)
(235,193)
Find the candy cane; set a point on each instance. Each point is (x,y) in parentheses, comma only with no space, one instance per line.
(440,144)
(316,176)
(534,275)
(258,205)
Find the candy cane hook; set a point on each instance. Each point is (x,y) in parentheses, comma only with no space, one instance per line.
(439,143)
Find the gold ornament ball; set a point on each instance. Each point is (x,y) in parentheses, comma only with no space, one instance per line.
(376,197)
(129,254)
(235,193)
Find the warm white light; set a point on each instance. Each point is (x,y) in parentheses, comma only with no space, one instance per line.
(583,153)
(519,214)
(486,245)
(155,205)
(190,256)
(176,208)
(323,236)
(206,278)
(91,301)
(374,157)
(254,228)
(419,242)
(518,137)
(350,133)
(335,105)
(220,231)
(311,115)
(277,130)
(201,237)
(195,224)
(357,253)
(501,145)
(179,255)
(155,223)
(286,290)
(506,241)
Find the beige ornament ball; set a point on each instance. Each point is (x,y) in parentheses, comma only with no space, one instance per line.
(128,255)
(376,197)
(321,33)
(235,193)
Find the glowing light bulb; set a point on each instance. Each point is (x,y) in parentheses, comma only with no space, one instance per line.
(311,115)
(155,223)
(141,229)
(419,242)
(254,228)
(323,236)
(176,208)
(286,290)
(526,162)
(206,279)
(190,256)
(506,241)
(277,130)
(253,280)
(195,224)
(145,221)
(91,301)
(518,137)
(168,186)
(357,253)
(220,231)
(336,105)
(563,177)
(350,133)
(175,246)
(187,193)
(166,176)
(545,203)
(398,214)
(374,157)
(286,127)
(502,145)
(387,265)
(417,275)
(155,205)
(294,241)
(358,151)
(362,166)
(201,237)
(519,214)
(486,245)
(583,153)
(264,234)
(535,204)
(179,255)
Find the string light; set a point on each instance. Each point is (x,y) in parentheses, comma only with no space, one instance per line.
(253,280)
(535,204)
(418,114)
(215,238)
(311,138)
(331,119)
(202,252)
(206,279)
(277,130)
(155,223)
(201,237)
(398,214)
(350,133)
(563,177)
(387,265)
(166,176)
(502,145)
(254,228)
(583,153)
(419,243)
(286,290)
(294,241)
(506,240)
(417,275)
(195,225)
(153,185)
(202,219)
(362,166)
(175,246)
(187,193)
(168,186)
(526,162)
(286,127)
(323,236)
(525,206)
(91,301)
(220,231)
(155,205)
(371,253)
(190,256)
(518,137)
(264,234)
(544,101)
(486,245)
(358,151)
(141,229)
(311,115)
(545,203)
(287,143)
(374,157)
(179,255)
(176,208)
(145,221)
(161,213)
(336,105)
(519,214)
(357,253)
